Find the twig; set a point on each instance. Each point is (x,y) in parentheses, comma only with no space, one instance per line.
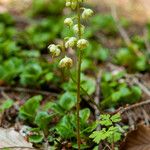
(19,147)
(97,101)
(97,96)
(144,88)
(85,92)
(5,95)
(122,110)
(122,32)
(46,145)
(147,44)
(25,90)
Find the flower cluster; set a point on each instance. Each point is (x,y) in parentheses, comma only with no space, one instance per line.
(72,42)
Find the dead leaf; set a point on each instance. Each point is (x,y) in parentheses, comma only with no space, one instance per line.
(138,139)
(11,138)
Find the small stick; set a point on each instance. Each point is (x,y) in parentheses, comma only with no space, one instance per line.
(123,33)
(147,44)
(97,97)
(5,95)
(97,101)
(19,147)
(25,90)
(144,88)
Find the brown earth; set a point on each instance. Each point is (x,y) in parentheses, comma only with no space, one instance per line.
(136,10)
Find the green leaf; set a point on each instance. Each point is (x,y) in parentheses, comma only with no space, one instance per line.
(141,63)
(84,114)
(7,104)
(116,96)
(137,92)
(105,120)
(82,146)
(116,118)
(113,134)
(98,136)
(29,109)
(49,76)
(65,129)
(124,91)
(102,54)
(43,119)
(32,72)
(67,100)
(36,138)
(88,84)
(107,76)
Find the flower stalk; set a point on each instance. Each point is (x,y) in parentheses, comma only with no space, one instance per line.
(78,76)
(74,42)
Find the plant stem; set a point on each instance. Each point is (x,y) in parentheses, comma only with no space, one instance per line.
(78,77)
(85,92)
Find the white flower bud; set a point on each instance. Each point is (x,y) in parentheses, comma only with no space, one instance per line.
(73,5)
(66,62)
(82,43)
(76,29)
(71,42)
(87,13)
(68,4)
(54,50)
(68,22)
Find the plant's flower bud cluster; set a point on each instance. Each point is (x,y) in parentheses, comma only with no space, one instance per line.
(68,22)
(71,3)
(82,43)
(87,13)
(54,50)
(71,42)
(76,29)
(66,62)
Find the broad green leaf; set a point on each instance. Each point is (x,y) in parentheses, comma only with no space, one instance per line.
(88,84)
(67,100)
(36,138)
(43,119)
(7,104)
(65,129)
(84,114)
(29,109)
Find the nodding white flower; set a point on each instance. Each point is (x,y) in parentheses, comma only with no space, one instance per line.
(54,50)
(76,29)
(74,5)
(66,62)
(71,42)
(68,22)
(87,13)
(82,43)
(68,4)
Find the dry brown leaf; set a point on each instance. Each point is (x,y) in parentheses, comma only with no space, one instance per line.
(11,138)
(138,139)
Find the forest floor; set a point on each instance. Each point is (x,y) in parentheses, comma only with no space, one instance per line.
(136,11)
